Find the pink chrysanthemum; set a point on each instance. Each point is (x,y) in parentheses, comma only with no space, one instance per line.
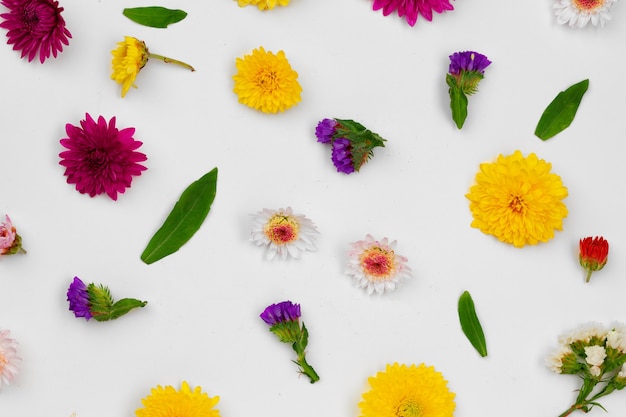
(412,8)
(101,158)
(8,358)
(35,27)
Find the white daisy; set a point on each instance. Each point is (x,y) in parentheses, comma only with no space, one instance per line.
(375,265)
(8,358)
(284,233)
(577,13)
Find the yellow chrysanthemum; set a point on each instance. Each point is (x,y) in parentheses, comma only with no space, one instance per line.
(266,82)
(167,402)
(129,58)
(408,391)
(263,4)
(518,200)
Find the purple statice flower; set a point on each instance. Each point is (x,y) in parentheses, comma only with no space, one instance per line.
(78,297)
(325,130)
(282,312)
(341,156)
(468,61)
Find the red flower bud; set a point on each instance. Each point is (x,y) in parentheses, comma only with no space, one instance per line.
(593,254)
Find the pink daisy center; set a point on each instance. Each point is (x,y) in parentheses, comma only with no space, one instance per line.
(588,5)
(378,263)
(281,229)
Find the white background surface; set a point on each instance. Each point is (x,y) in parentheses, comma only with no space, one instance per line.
(201,323)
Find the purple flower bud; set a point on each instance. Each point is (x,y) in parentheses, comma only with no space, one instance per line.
(281,312)
(325,130)
(78,297)
(468,61)
(341,156)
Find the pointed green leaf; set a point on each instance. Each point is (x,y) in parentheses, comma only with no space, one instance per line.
(123,306)
(154,16)
(470,324)
(184,220)
(458,105)
(561,111)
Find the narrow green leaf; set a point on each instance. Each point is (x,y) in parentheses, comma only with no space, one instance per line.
(458,103)
(470,324)
(154,16)
(561,111)
(184,220)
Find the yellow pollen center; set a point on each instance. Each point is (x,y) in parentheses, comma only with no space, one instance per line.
(588,5)
(3,362)
(281,229)
(517,203)
(267,79)
(409,408)
(378,263)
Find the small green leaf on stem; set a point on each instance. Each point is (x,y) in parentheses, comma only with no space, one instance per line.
(561,111)
(154,16)
(184,220)
(471,325)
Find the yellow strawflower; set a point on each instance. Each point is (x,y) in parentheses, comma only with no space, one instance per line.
(408,391)
(266,82)
(518,200)
(263,4)
(167,402)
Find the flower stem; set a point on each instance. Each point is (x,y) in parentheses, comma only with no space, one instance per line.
(307,369)
(170,61)
(571,410)
(588,277)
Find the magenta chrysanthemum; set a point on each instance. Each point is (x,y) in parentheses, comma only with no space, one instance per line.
(100,158)
(412,8)
(35,27)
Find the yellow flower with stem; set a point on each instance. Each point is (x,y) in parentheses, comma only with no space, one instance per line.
(408,391)
(130,56)
(265,81)
(168,402)
(263,4)
(518,200)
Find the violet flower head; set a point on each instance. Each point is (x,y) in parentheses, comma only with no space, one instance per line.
(95,301)
(341,156)
(281,312)
(35,27)
(325,130)
(468,61)
(78,297)
(284,321)
(100,158)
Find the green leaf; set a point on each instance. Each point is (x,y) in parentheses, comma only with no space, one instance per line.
(184,220)
(561,111)
(154,16)
(458,105)
(123,306)
(470,324)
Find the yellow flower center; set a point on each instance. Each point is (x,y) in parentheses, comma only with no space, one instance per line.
(281,229)
(409,408)
(267,79)
(3,362)
(517,203)
(588,5)
(378,263)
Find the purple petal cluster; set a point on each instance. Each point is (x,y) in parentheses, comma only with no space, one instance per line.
(78,297)
(35,27)
(341,156)
(468,61)
(325,130)
(281,312)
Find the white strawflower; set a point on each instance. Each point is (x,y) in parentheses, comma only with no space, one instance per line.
(283,233)
(577,13)
(616,338)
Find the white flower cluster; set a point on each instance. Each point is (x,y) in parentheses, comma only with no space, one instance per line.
(586,349)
